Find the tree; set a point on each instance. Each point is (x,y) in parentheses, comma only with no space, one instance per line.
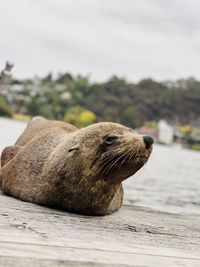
(79,116)
(4,109)
(86,118)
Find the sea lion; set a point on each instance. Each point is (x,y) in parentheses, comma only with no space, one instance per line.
(78,170)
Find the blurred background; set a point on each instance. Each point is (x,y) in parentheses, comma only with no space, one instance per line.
(135,63)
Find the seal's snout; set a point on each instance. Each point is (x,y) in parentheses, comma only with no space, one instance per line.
(148,140)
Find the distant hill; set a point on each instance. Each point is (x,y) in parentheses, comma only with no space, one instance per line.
(114,100)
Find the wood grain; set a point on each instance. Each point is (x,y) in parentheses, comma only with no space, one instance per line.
(31,235)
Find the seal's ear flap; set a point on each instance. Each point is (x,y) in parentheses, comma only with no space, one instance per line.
(74,148)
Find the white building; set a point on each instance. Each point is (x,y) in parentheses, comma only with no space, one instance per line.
(165,132)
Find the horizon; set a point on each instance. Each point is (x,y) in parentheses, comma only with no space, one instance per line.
(90,77)
(91,80)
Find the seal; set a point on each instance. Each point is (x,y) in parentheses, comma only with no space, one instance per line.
(78,170)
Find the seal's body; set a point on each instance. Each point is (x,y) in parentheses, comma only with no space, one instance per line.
(79,170)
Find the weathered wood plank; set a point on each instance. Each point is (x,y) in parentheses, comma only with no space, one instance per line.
(97,256)
(31,235)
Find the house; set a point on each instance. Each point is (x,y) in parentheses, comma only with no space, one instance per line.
(165,132)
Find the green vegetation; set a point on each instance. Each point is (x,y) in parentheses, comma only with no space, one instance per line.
(196,147)
(79,116)
(4,109)
(81,102)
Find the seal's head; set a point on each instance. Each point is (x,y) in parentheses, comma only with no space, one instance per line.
(111,151)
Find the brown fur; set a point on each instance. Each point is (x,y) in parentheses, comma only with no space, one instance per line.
(79,170)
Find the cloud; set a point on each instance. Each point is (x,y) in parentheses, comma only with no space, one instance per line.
(156,38)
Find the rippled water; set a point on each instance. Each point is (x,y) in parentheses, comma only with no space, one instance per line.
(169,182)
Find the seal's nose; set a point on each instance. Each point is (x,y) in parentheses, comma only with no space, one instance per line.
(148,140)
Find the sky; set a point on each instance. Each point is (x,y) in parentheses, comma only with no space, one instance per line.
(156,39)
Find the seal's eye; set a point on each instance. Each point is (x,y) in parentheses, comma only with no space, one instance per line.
(110,140)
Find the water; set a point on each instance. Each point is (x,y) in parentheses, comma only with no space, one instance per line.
(9,132)
(169,182)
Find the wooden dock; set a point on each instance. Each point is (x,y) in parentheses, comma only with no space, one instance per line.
(31,235)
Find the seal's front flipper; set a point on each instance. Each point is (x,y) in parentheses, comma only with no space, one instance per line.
(9,153)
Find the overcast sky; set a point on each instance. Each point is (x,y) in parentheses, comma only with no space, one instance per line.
(133,39)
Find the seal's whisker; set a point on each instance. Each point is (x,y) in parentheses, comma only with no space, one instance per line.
(113,164)
(93,167)
(109,167)
(107,162)
(110,156)
(125,154)
(104,161)
(132,154)
(116,150)
(110,151)
(125,158)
